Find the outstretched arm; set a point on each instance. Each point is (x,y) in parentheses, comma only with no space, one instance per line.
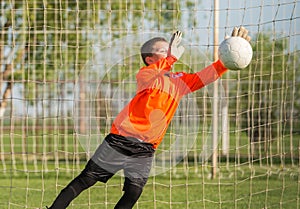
(212,72)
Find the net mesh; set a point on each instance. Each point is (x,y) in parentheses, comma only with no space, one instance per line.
(68,67)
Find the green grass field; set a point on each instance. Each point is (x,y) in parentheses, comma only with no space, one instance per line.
(237,187)
(269,179)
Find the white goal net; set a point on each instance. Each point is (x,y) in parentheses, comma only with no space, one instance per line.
(68,67)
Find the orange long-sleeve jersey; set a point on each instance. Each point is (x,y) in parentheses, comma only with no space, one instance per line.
(149,113)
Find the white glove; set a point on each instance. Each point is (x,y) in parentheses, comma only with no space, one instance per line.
(174,48)
(241,32)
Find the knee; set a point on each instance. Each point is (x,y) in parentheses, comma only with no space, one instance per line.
(81,183)
(130,197)
(133,192)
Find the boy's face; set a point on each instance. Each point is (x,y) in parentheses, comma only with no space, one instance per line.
(160,50)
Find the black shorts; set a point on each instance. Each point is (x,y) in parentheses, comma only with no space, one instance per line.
(117,153)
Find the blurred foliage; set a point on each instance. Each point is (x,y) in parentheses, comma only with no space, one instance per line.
(59,35)
(267,98)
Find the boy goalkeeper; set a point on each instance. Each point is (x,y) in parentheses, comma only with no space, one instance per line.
(139,128)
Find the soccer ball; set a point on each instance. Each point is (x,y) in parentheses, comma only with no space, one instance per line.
(235,53)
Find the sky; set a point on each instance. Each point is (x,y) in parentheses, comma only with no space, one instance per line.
(280,17)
